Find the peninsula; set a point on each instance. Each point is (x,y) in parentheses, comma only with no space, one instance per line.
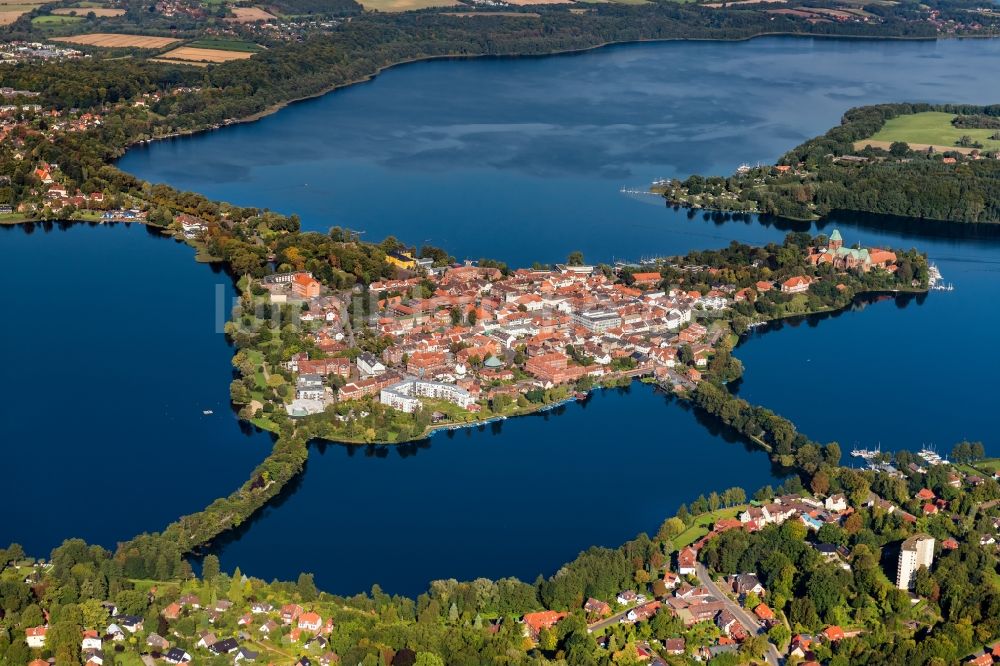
(922,161)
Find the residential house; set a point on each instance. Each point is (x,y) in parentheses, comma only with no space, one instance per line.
(833,633)
(91,641)
(369,366)
(310,622)
(535,622)
(176,656)
(35,636)
(686,560)
(836,502)
(746,583)
(305,286)
(245,655)
(225,646)
(626,597)
(796,285)
(674,646)
(290,613)
(597,607)
(764,613)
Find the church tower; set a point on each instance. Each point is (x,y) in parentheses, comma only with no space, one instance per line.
(836,241)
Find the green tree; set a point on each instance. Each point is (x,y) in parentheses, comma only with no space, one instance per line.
(210,568)
(306,587)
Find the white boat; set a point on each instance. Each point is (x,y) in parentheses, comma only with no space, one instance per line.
(208,412)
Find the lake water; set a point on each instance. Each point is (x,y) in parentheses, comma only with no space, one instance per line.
(109,357)
(520,160)
(523,159)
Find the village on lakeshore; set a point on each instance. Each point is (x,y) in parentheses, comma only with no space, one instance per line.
(690,603)
(467,342)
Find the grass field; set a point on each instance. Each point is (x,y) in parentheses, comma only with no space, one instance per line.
(933,129)
(989,464)
(405,5)
(83,11)
(110,41)
(53,21)
(703,523)
(194,54)
(225,45)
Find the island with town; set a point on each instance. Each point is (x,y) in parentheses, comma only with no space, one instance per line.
(442,345)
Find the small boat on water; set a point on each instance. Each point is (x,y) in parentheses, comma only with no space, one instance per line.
(208,412)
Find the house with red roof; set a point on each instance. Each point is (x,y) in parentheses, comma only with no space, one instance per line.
(686,560)
(35,636)
(535,622)
(290,612)
(597,607)
(796,285)
(305,285)
(833,633)
(310,621)
(982,659)
(764,612)
(926,494)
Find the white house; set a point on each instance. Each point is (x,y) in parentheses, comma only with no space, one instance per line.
(91,643)
(35,636)
(836,502)
(369,366)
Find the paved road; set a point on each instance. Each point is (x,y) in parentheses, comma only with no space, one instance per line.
(748,621)
(614,619)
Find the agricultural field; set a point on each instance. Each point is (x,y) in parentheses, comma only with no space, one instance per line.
(110,41)
(408,5)
(13,10)
(250,15)
(191,54)
(932,128)
(83,11)
(225,45)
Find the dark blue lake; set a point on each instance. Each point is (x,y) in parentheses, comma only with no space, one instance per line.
(520,160)
(523,159)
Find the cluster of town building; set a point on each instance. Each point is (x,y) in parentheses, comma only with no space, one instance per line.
(19,51)
(459,344)
(291,626)
(737,605)
(480,333)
